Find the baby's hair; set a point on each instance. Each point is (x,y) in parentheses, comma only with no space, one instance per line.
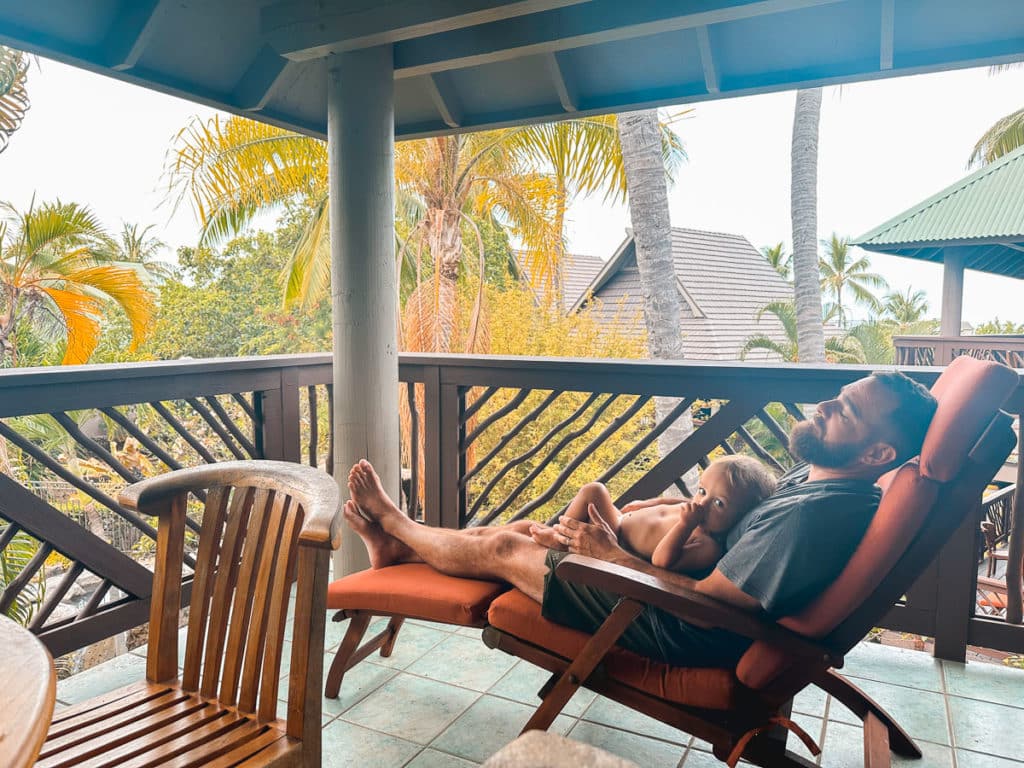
(750,476)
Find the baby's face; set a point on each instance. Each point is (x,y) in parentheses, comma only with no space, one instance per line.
(722,504)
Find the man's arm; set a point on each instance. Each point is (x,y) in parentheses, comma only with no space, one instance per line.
(597,540)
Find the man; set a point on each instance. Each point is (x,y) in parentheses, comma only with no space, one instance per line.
(781,555)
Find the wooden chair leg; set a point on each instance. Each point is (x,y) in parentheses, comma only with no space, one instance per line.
(392,630)
(588,658)
(862,705)
(343,659)
(876,743)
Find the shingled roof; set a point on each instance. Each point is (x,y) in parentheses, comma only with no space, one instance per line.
(723,281)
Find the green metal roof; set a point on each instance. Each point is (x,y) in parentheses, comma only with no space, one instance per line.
(982,214)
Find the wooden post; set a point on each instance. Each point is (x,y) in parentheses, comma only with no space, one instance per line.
(1014,612)
(955,589)
(364,289)
(952,292)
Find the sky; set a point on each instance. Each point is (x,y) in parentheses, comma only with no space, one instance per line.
(884,146)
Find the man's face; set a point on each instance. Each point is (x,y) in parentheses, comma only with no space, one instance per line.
(842,429)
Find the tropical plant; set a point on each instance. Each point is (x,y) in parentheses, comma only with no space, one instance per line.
(14,557)
(135,245)
(804,215)
(906,307)
(838,349)
(233,169)
(779,260)
(14,102)
(840,271)
(54,277)
(998,326)
(1004,136)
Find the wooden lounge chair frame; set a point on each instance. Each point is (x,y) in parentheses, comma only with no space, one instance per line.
(747,730)
(266,525)
(753,726)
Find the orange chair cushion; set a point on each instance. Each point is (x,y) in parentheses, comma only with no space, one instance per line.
(415,590)
(968,392)
(516,614)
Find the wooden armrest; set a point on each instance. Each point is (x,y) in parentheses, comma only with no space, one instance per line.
(688,605)
(314,489)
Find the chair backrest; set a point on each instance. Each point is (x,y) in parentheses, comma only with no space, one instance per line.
(264,525)
(923,503)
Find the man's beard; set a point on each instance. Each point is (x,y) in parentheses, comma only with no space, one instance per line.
(807,445)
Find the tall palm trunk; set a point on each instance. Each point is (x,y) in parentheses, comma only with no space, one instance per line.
(647,187)
(804,212)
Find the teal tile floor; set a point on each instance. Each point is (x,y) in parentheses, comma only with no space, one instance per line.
(443,700)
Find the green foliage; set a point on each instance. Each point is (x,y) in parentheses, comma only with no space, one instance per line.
(13,559)
(779,260)
(520,327)
(840,271)
(838,349)
(907,307)
(227,303)
(997,326)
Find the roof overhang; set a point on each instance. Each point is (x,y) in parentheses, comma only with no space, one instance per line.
(472,64)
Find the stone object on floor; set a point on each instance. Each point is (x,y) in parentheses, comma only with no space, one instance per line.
(542,749)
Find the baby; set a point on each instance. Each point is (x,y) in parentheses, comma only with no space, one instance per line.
(686,535)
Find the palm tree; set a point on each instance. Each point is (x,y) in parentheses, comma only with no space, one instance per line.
(234,169)
(1006,135)
(53,276)
(838,349)
(14,101)
(907,307)
(779,260)
(838,273)
(134,245)
(804,215)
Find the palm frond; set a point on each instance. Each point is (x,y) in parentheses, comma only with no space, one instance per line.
(307,273)
(785,352)
(1006,135)
(80,314)
(233,169)
(14,101)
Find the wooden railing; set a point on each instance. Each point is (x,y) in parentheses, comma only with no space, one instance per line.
(486,440)
(940,350)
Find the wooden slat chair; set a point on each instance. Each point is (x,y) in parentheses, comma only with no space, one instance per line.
(740,710)
(265,525)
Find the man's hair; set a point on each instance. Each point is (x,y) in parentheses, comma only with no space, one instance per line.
(909,420)
(749,475)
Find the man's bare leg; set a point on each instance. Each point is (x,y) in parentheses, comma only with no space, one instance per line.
(505,555)
(591,493)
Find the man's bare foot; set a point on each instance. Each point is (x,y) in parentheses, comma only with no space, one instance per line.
(369,495)
(384,549)
(546,536)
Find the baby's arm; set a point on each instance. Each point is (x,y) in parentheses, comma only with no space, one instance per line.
(683,548)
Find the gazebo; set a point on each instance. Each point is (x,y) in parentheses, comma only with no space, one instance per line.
(976,223)
(363,74)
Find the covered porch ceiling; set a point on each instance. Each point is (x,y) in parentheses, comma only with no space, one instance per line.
(473,64)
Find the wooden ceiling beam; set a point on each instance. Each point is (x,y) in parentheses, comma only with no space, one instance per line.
(306,29)
(592,23)
(131,32)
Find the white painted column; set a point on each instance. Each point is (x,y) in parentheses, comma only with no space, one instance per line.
(364,290)
(952,292)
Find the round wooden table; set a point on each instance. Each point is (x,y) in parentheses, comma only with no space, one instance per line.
(29,685)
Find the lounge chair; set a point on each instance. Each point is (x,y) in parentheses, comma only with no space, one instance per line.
(744,711)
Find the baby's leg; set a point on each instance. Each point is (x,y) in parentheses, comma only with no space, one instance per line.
(578,509)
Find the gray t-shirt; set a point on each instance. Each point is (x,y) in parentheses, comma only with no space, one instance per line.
(792,545)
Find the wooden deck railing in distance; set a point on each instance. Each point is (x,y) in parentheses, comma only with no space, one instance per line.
(940,350)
